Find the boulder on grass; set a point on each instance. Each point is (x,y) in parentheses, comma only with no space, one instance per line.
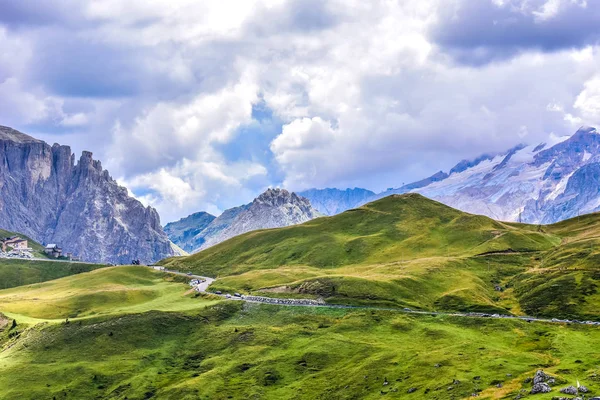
(541,387)
(569,390)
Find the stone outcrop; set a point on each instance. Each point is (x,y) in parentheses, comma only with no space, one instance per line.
(540,388)
(541,382)
(275,208)
(569,390)
(187,232)
(48,196)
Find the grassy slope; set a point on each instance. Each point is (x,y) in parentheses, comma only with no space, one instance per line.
(394,228)
(15,272)
(107,291)
(411,251)
(266,352)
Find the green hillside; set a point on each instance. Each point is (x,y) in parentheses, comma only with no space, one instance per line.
(232,351)
(395,228)
(16,272)
(113,290)
(409,251)
(135,333)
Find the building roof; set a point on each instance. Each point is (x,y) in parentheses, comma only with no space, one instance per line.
(51,246)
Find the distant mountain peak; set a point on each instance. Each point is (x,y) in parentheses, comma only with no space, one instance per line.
(274,208)
(185,232)
(276,197)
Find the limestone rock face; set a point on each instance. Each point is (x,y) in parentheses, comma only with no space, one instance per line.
(185,233)
(46,195)
(275,208)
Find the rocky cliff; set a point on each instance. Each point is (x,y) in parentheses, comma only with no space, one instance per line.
(185,233)
(45,194)
(275,208)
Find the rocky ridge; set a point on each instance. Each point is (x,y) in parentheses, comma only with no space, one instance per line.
(275,208)
(186,233)
(46,195)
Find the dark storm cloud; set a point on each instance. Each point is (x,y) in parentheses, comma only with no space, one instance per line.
(478,32)
(75,66)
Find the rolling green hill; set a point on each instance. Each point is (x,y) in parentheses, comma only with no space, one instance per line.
(395,228)
(409,251)
(232,351)
(113,290)
(16,272)
(135,333)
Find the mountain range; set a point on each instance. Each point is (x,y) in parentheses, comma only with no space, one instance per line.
(51,198)
(274,208)
(539,184)
(46,195)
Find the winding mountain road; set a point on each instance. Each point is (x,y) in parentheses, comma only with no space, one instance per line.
(206,282)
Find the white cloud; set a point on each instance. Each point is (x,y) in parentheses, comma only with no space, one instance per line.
(185,187)
(548,10)
(168,132)
(364,92)
(77,119)
(588,101)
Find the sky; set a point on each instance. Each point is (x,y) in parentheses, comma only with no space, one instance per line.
(202,105)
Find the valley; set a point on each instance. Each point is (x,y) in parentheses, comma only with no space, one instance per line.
(409,251)
(241,350)
(415,296)
(300,200)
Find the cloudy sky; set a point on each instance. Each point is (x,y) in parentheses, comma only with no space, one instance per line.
(201,105)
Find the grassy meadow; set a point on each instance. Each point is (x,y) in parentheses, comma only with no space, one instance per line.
(106,291)
(236,351)
(136,333)
(409,251)
(17,272)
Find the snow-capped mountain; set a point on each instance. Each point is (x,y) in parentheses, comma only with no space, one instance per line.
(334,201)
(542,183)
